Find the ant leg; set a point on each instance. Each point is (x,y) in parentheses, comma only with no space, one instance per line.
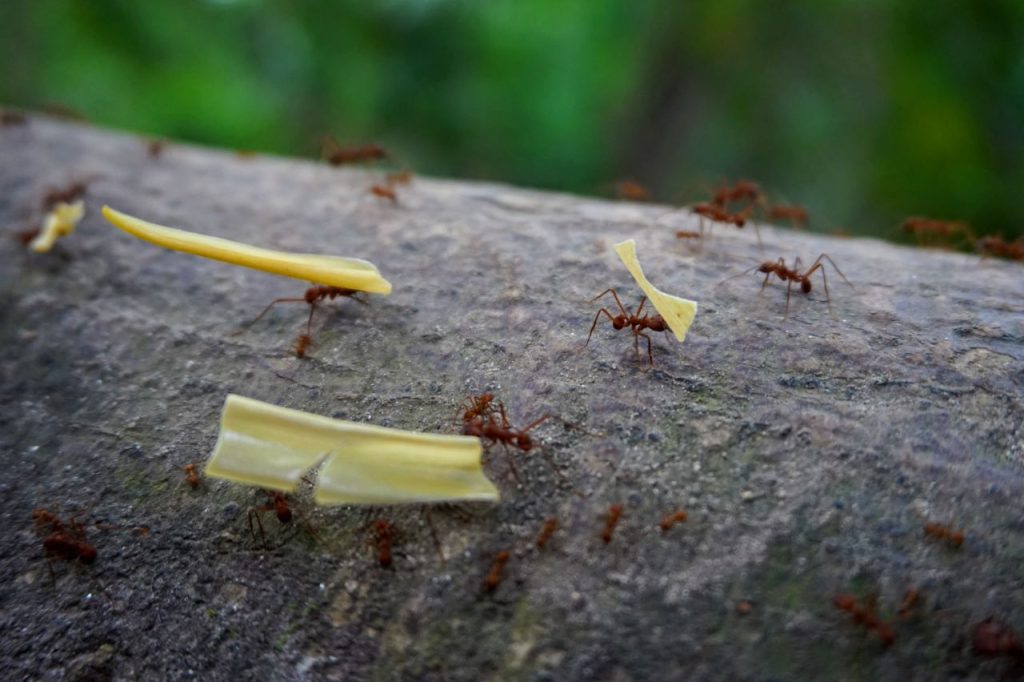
(650,355)
(256,512)
(622,307)
(833,263)
(267,310)
(641,306)
(510,461)
(593,326)
(789,290)
(538,422)
(757,231)
(433,534)
(309,526)
(504,417)
(824,277)
(309,322)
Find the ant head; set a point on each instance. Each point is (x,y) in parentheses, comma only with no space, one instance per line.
(524,442)
(619,321)
(87,553)
(766,267)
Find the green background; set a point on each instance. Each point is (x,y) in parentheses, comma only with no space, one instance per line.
(864,111)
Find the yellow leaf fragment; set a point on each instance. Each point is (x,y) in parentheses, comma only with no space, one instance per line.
(335,271)
(59,222)
(677,312)
(272,447)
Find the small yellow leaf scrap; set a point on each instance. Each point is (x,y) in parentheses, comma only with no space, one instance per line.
(677,312)
(335,271)
(272,447)
(59,222)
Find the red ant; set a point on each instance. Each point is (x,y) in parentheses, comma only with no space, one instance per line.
(796,214)
(337,155)
(155,147)
(993,638)
(277,504)
(192,475)
(478,406)
(383,534)
(546,531)
(996,246)
(488,428)
(954,537)
(493,578)
(26,236)
(911,600)
(865,616)
(385,192)
(791,275)
(611,520)
(635,322)
(929,231)
(671,520)
(632,191)
(302,344)
(717,214)
(743,189)
(402,177)
(313,295)
(73,191)
(12,118)
(66,541)
(688,234)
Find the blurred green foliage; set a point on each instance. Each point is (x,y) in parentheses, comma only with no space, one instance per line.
(866,111)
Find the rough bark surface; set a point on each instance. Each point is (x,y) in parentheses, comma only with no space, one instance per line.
(808,450)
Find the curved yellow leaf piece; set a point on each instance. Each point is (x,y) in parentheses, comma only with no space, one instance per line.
(59,222)
(677,312)
(272,447)
(335,271)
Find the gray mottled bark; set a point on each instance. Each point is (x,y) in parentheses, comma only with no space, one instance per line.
(809,451)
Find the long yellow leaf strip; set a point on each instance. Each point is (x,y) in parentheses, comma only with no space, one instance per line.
(677,312)
(272,447)
(59,222)
(345,273)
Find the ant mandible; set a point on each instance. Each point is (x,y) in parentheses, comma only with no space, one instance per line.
(791,275)
(636,323)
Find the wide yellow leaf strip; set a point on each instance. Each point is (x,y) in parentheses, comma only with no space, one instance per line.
(345,273)
(273,447)
(677,312)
